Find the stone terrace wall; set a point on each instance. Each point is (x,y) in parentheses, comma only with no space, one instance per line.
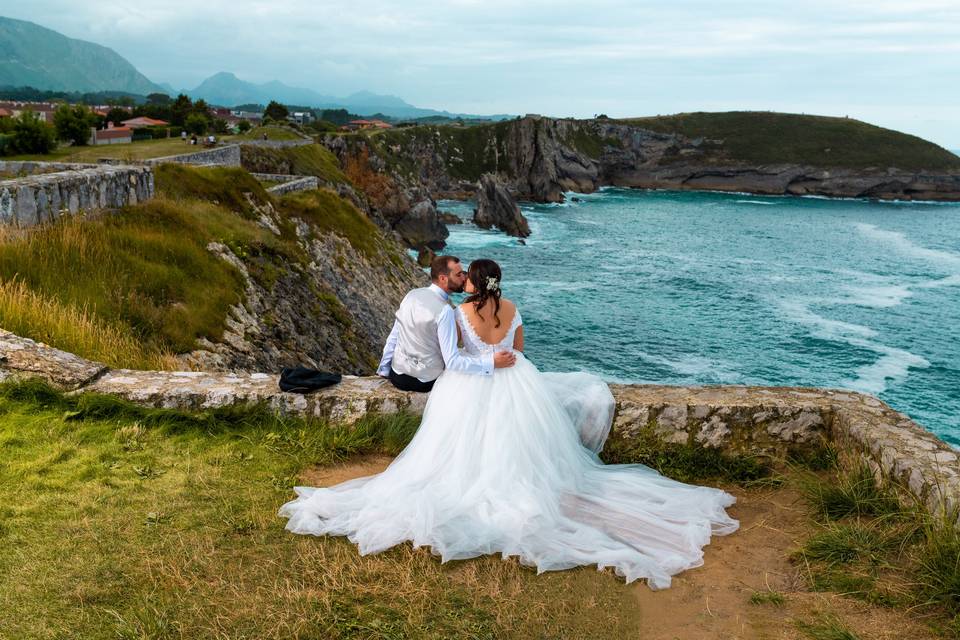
(301,183)
(43,197)
(225,156)
(737,419)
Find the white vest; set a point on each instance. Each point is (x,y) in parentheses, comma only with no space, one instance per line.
(418,352)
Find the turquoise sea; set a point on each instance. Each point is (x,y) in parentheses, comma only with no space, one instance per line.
(709,288)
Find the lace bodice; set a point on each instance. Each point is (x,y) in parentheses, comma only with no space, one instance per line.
(472,343)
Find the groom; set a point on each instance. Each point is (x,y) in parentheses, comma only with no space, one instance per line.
(423,341)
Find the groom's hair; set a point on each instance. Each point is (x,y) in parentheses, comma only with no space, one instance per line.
(440,266)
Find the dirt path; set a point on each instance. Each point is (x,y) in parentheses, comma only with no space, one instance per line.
(713,601)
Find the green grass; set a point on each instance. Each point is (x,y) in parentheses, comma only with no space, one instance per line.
(273,132)
(827,627)
(307,160)
(873,548)
(854,494)
(145,267)
(774,598)
(762,137)
(123,522)
(845,543)
(686,463)
(227,187)
(330,212)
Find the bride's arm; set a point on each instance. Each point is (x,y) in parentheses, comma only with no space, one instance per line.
(518,339)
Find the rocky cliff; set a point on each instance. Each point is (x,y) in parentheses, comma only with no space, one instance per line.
(541,158)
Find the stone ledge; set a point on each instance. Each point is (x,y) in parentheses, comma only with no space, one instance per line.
(767,421)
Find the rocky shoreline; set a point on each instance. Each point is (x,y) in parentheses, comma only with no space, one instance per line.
(538,159)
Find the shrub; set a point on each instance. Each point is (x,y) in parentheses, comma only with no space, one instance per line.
(73,123)
(33,135)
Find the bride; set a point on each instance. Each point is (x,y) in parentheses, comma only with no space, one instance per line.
(508,464)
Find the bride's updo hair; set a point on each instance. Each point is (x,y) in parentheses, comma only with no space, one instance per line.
(485,276)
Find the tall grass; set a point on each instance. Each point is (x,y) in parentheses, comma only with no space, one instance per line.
(74,329)
(141,274)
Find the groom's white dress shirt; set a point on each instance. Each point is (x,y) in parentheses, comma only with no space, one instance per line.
(446,335)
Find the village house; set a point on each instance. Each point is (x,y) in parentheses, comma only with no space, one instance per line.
(301,117)
(111,135)
(43,109)
(142,122)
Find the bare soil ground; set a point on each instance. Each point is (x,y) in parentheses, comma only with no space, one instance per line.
(712,601)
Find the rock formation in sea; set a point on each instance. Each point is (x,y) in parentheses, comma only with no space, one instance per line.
(497,208)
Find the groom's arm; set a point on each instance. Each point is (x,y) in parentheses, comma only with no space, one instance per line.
(453,358)
(387,357)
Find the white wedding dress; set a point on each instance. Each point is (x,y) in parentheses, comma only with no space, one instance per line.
(499,465)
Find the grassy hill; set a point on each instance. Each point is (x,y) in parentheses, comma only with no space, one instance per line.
(763,137)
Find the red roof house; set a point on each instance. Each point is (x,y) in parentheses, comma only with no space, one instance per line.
(142,121)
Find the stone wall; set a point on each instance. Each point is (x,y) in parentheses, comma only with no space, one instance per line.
(43,197)
(225,156)
(304,183)
(767,421)
(279,144)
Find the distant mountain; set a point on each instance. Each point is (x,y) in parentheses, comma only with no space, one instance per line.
(31,55)
(227,89)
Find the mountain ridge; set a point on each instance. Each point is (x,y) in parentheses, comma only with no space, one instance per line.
(32,55)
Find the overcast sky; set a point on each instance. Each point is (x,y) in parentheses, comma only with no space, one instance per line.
(892,63)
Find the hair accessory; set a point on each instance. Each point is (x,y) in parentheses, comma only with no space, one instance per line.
(492,284)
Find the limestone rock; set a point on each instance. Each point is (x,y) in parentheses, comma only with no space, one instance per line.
(24,358)
(497,208)
(421,227)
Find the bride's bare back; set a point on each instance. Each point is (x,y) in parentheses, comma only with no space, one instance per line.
(484,324)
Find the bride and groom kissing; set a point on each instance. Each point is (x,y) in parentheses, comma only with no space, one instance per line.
(506,457)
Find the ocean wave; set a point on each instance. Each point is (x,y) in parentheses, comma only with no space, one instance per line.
(755,202)
(894,365)
(878,297)
(905,245)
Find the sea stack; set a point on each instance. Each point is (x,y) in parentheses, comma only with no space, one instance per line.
(497,208)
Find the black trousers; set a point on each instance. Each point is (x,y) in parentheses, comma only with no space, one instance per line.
(408,383)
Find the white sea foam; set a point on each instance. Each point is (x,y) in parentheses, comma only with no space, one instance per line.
(799,312)
(906,246)
(894,365)
(880,297)
(755,202)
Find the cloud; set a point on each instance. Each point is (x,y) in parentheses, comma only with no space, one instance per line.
(856,57)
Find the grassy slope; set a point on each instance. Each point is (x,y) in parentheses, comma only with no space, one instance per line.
(142,284)
(765,138)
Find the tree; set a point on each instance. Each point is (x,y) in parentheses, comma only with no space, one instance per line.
(160,99)
(73,123)
(219,126)
(116,115)
(276,111)
(243,126)
(179,110)
(196,123)
(33,135)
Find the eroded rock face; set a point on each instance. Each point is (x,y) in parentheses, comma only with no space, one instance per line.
(333,312)
(422,228)
(497,208)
